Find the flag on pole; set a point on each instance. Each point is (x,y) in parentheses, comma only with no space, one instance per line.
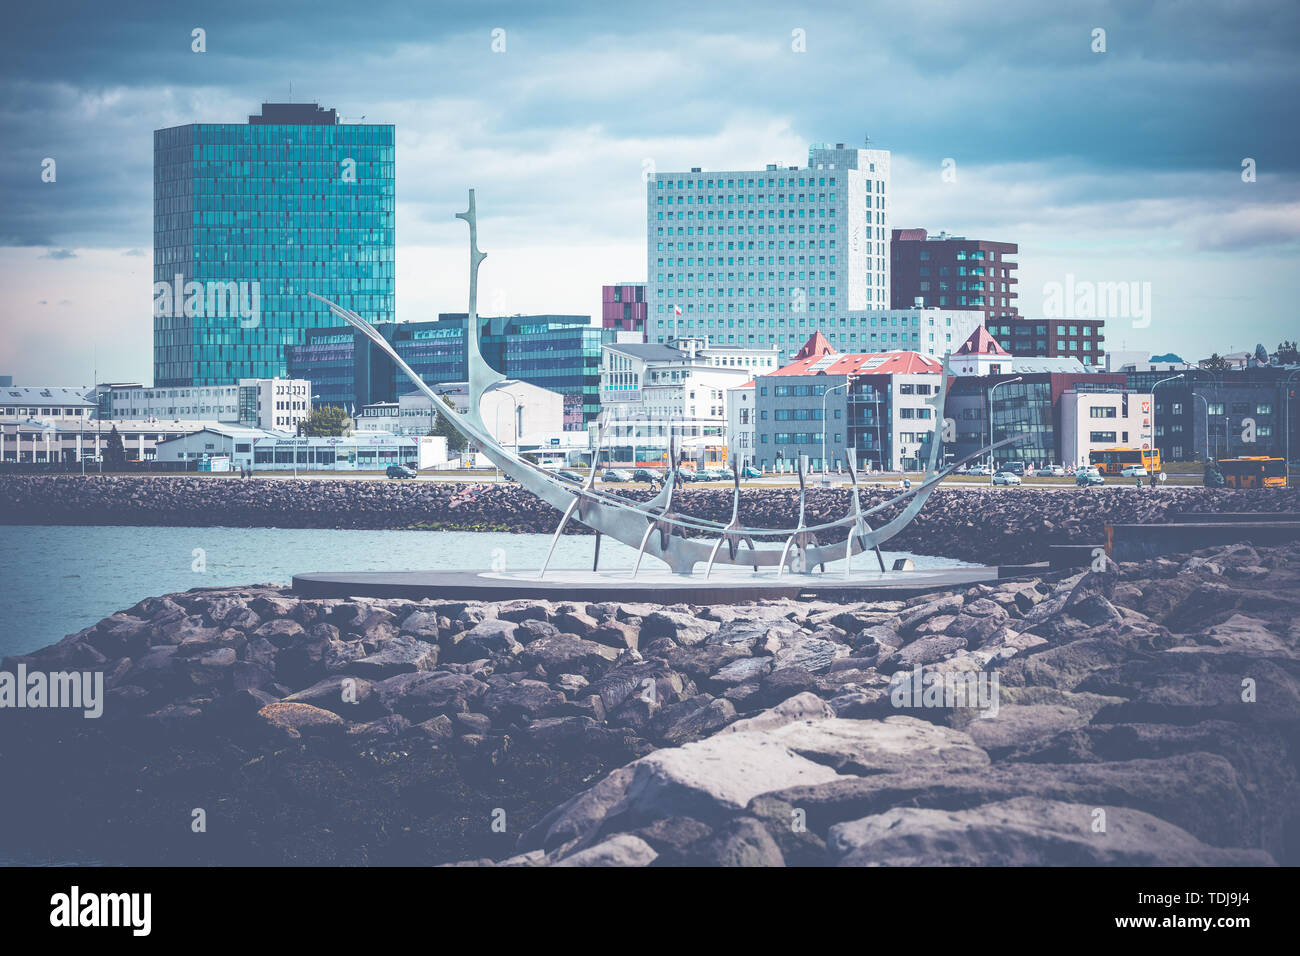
(677,310)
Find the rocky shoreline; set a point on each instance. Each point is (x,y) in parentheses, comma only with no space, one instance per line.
(954,523)
(1148,714)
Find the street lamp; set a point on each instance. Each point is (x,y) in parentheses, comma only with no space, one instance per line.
(991,391)
(1153,405)
(1217,382)
(1207,422)
(844,384)
(1286,403)
(515,426)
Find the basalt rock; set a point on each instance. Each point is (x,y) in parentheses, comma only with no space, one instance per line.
(754,730)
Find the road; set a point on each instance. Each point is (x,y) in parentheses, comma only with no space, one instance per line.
(872,480)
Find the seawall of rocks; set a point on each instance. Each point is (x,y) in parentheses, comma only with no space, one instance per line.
(1006,526)
(1148,714)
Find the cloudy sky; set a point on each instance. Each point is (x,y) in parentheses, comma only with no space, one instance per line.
(1123,165)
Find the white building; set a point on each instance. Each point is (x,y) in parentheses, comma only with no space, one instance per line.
(517,414)
(980,355)
(53,403)
(648,391)
(1096,420)
(276,404)
(765,257)
(828,405)
(386,417)
(69,439)
(268,451)
(742,416)
(1135,361)
(50,424)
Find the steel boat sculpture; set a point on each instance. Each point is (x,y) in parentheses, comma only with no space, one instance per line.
(655,527)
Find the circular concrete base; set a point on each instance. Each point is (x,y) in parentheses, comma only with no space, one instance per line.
(723,586)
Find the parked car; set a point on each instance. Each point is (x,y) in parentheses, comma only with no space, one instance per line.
(749,471)
(568,475)
(725,474)
(708,474)
(399,471)
(616,474)
(979,470)
(687,474)
(647,474)
(1085,477)
(1133,471)
(1006,478)
(1055,471)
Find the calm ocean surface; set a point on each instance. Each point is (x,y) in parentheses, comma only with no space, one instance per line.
(57,580)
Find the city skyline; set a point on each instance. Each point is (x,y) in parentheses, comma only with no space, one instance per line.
(1117,167)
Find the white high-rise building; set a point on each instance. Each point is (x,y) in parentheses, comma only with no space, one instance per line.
(763,258)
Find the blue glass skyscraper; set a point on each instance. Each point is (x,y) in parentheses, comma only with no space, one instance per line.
(257,215)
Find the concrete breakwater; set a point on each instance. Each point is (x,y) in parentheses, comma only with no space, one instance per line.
(1144,715)
(972,524)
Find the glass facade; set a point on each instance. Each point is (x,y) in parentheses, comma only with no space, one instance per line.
(328,360)
(436,351)
(556,352)
(561,357)
(305,205)
(1024,408)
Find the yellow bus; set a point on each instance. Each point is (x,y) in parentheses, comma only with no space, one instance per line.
(1257,472)
(1112,461)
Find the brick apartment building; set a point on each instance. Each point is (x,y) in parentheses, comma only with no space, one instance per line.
(952,272)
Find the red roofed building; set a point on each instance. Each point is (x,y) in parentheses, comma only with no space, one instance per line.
(829,405)
(872,363)
(815,347)
(980,355)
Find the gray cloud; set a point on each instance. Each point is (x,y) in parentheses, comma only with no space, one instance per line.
(1057,147)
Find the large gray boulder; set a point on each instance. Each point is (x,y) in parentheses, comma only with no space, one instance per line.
(623,849)
(711,779)
(1026,831)
(801,707)
(401,655)
(1200,792)
(686,629)
(879,746)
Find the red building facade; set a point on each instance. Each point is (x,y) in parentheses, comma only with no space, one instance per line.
(623,307)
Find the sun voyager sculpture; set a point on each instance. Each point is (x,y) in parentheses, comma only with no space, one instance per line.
(655,527)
